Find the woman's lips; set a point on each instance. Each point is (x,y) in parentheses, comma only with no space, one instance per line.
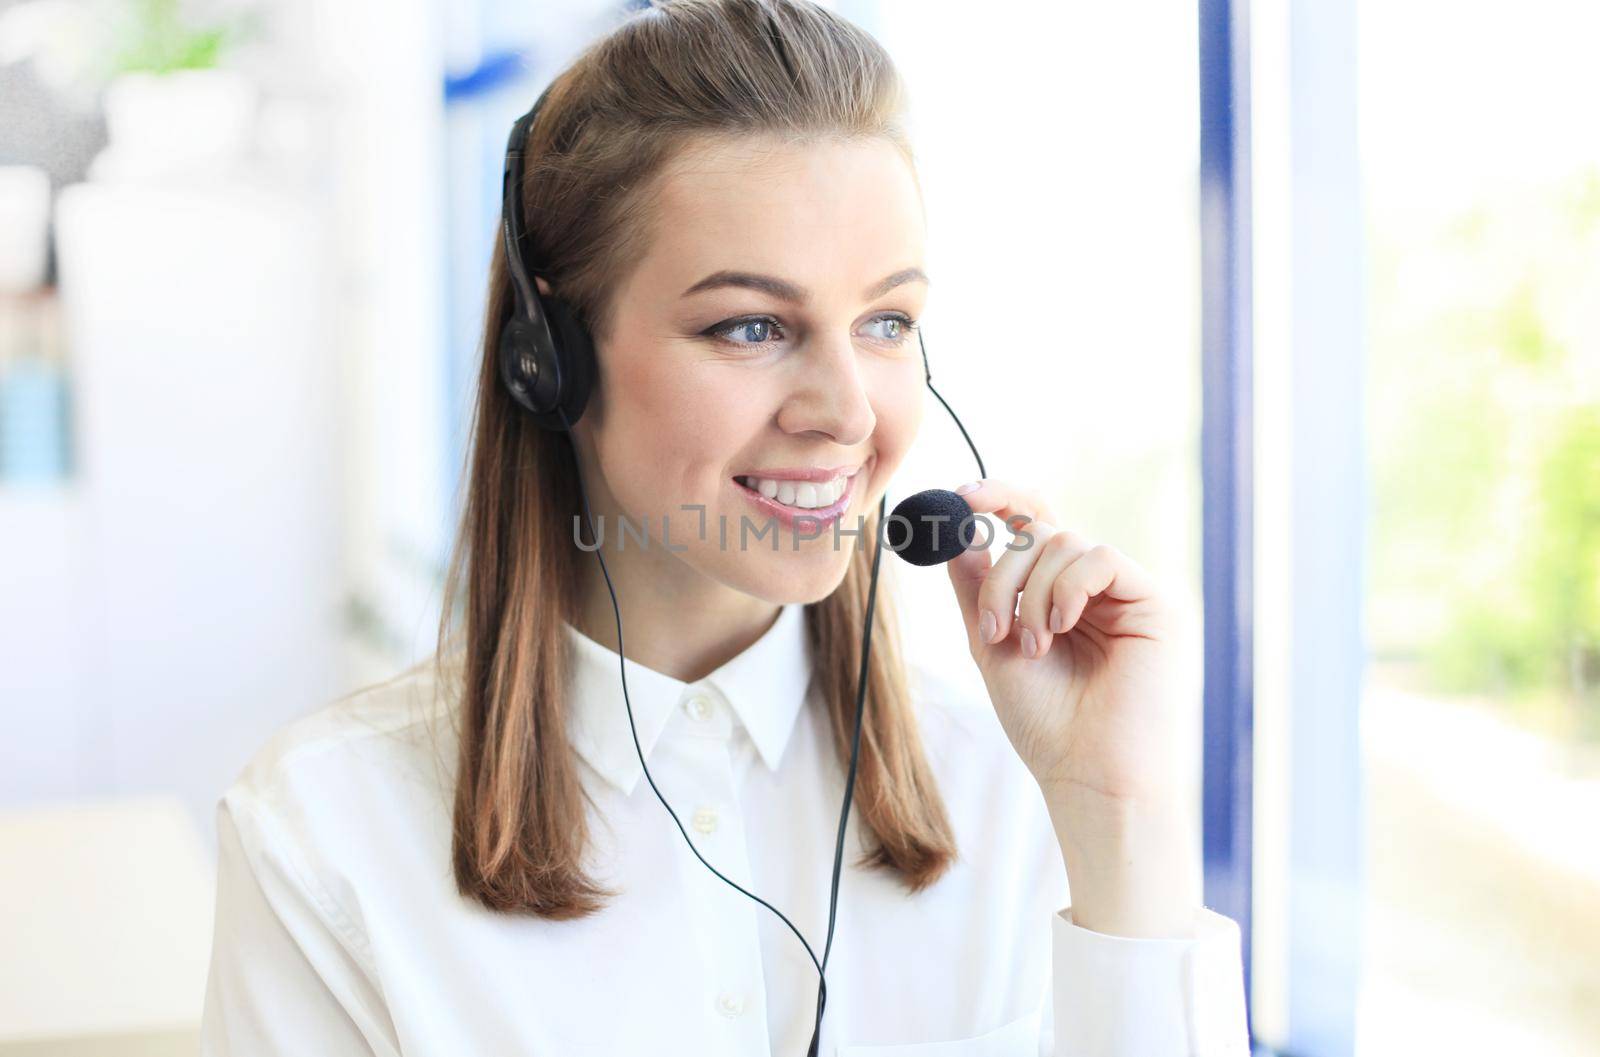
(815,519)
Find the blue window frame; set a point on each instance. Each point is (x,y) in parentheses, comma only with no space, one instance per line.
(1323,515)
(1226,460)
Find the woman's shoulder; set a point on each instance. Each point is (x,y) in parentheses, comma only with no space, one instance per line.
(363,746)
(342,816)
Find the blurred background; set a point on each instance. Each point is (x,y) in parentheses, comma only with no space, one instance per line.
(1304,301)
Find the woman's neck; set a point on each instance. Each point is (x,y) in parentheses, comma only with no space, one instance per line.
(674,620)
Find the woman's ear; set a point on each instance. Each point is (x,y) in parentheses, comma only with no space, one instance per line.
(544,287)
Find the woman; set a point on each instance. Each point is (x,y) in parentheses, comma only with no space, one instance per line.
(463,860)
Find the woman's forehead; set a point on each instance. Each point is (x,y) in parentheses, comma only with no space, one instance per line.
(741,179)
(839,205)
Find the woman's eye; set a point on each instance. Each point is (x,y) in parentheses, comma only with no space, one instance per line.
(896,328)
(756,331)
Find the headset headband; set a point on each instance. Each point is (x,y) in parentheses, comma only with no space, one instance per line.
(511,218)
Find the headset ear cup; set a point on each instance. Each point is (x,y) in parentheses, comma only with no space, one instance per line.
(530,377)
(576,350)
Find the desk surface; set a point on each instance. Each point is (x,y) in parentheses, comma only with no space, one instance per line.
(105,922)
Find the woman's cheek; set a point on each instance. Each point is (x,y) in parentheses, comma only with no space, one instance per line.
(899,413)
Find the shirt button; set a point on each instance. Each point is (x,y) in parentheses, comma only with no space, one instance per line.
(699,707)
(705,819)
(729,1004)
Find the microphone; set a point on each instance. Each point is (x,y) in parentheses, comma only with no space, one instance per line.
(936,525)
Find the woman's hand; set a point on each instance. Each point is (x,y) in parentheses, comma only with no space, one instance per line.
(1082,671)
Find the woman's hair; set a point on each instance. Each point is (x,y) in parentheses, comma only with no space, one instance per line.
(612,122)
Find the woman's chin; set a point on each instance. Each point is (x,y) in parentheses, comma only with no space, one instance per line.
(804,576)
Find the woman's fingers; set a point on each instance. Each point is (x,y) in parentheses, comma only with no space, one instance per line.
(1006,500)
(1126,594)
(1044,609)
(1057,577)
(997,598)
(1056,572)
(968,571)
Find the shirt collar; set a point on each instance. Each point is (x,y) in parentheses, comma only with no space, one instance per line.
(763,688)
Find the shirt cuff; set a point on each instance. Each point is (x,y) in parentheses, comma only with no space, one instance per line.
(1120,996)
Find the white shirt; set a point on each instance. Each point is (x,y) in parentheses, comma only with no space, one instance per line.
(339,930)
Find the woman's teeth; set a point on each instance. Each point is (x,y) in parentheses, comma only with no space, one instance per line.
(803,495)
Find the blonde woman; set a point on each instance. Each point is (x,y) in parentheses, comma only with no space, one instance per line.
(465,861)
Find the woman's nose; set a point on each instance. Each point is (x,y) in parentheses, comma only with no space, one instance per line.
(831,396)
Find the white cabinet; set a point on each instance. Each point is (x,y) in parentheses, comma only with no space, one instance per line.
(197,579)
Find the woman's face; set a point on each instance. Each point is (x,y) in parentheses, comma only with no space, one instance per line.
(762,340)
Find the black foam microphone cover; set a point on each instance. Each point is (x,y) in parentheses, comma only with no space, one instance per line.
(937,526)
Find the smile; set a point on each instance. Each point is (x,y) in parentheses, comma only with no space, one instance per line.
(788,499)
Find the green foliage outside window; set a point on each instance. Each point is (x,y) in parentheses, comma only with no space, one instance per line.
(1485,371)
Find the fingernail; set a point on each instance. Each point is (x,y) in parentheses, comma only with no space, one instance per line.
(986,626)
(971,486)
(1029,646)
(1058,623)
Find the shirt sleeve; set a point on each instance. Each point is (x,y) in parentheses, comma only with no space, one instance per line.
(289,972)
(1118,996)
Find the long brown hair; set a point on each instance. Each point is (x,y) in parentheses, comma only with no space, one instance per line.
(614,118)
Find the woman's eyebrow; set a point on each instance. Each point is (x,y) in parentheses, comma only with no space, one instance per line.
(784,290)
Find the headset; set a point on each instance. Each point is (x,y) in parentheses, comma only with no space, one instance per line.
(547,364)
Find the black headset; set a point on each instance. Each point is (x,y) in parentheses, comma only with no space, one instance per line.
(547,364)
(546,354)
